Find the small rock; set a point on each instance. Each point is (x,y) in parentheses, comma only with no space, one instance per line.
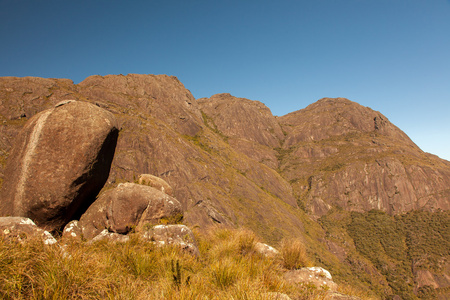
(276,296)
(72,231)
(156,182)
(22,228)
(315,275)
(173,235)
(111,236)
(266,250)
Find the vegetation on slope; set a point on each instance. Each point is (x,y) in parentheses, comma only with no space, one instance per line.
(386,251)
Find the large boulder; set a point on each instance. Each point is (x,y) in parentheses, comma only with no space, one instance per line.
(59,163)
(128,207)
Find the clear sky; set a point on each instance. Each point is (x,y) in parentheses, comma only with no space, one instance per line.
(390,55)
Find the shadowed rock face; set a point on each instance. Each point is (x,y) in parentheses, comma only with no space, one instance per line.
(60,161)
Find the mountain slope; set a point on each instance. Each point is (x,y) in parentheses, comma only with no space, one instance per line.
(163,132)
(232,163)
(339,153)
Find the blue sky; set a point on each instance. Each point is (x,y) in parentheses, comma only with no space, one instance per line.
(390,55)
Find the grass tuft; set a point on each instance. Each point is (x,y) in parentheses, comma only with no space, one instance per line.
(293,254)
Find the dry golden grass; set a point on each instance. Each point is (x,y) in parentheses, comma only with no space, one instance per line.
(293,254)
(228,268)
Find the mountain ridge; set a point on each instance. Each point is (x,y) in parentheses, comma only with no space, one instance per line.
(232,163)
(306,146)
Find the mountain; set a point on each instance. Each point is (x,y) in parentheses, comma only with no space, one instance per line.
(313,173)
(338,153)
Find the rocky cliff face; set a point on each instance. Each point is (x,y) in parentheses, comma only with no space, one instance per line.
(249,126)
(333,153)
(164,132)
(231,162)
(339,153)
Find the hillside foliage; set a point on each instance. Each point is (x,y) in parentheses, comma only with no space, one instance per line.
(398,246)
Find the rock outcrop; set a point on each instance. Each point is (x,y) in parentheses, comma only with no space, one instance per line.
(59,163)
(249,126)
(242,118)
(128,207)
(163,97)
(164,132)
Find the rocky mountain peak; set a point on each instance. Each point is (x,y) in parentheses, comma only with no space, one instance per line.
(242,118)
(331,117)
(340,153)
